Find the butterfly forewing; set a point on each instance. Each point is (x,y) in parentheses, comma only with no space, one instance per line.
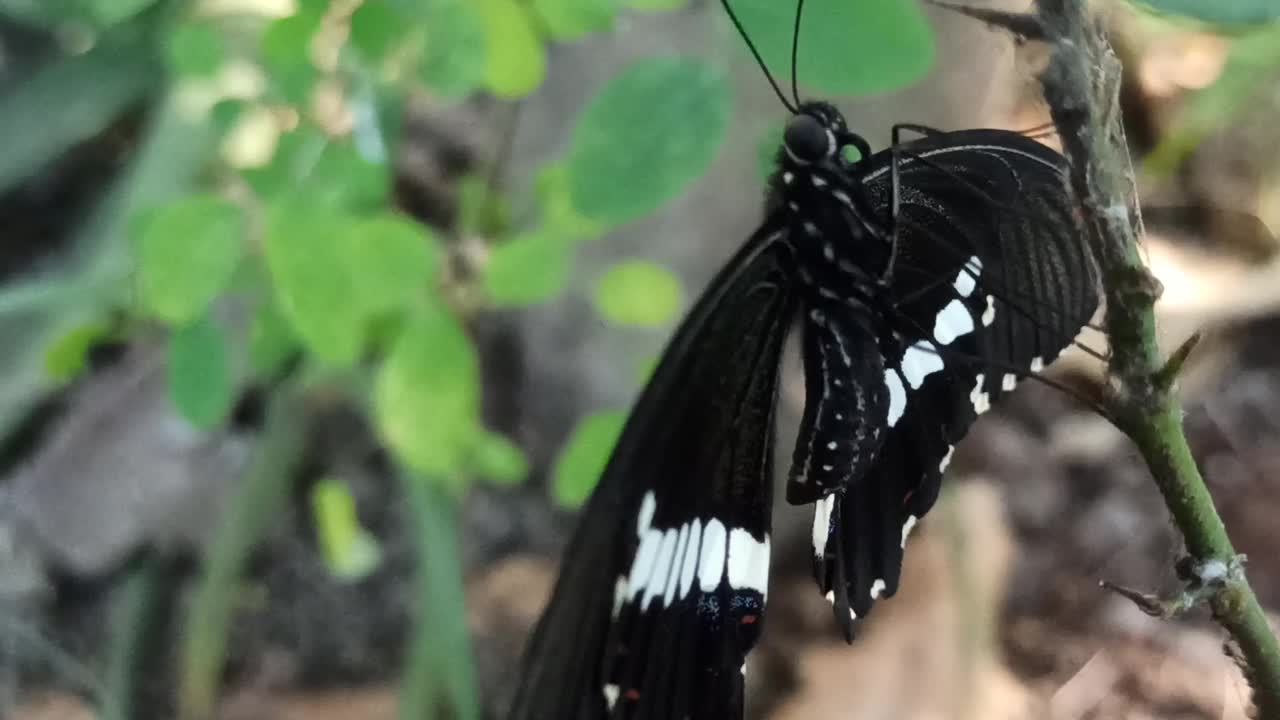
(664,583)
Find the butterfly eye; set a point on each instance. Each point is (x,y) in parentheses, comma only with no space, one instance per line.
(806,139)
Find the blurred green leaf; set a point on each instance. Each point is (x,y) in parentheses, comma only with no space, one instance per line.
(376,28)
(516,57)
(585,455)
(392,260)
(306,252)
(1218,12)
(271,338)
(1251,56)
(296,156)
(496,459)
(322,172)
(286,55)
(527,269)
(199,376)
(653,129)
(349,550)
(187,251)
(645,370)
(111,12)
(195,49)
(455,60)
(426,397)
(863,47)
(68,355)
(559,216)
(568,19)
(653,5)
(638,292)
(69,101)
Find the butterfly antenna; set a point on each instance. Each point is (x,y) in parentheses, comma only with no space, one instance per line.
(795,52)
(793,109)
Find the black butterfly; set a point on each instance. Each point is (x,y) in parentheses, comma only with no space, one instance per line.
(928,279)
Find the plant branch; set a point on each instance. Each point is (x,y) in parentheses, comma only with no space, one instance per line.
(1081,85)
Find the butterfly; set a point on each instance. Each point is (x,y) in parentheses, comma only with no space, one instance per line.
(926,281)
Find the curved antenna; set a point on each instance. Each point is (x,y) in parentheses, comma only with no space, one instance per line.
(793,109)
(795,52)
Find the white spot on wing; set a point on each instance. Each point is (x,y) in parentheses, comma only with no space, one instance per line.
(677,565)
(989,315)
(918,362)
(897,396)
(953,321)
(831,445)
(611,694)
(877,587)
(711,556)
(645,519)
(946,459)
(657,584)
(1008,382)
(619,594)
(690,567)
(1037,364)
(822,524)
(906,529)
(787,177)
(748,562)
(642,565)
(966,279)
(818,182)
(980,399)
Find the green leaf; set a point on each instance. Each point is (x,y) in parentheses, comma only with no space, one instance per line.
(426,396)
(186,251)
(1217,12)
(568,19)
(376,28)
(111,12)
(323,172)
(584,456)
(68,355)
(863,47)
(516,56)
(199,376)
(527,269)
(637,292)
(455,60)
(69,101)
(496,459)
(271,338)
(559,216)
(392,261)
(652,130)
(307,252)
(349,550)
(195,50)
(654,5)
(286,55)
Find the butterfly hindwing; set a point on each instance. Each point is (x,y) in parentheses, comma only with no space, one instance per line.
(664,582)
(990,283)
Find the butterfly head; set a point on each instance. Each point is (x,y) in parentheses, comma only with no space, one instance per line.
(817,134)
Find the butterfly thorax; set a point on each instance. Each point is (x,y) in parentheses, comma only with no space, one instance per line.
(841,246)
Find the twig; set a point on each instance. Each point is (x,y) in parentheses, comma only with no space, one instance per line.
(1081,85)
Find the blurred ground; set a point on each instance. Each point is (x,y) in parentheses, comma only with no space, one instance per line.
(1000,614)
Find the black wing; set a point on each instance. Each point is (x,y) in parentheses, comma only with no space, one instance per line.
(991,281)
(656,622)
